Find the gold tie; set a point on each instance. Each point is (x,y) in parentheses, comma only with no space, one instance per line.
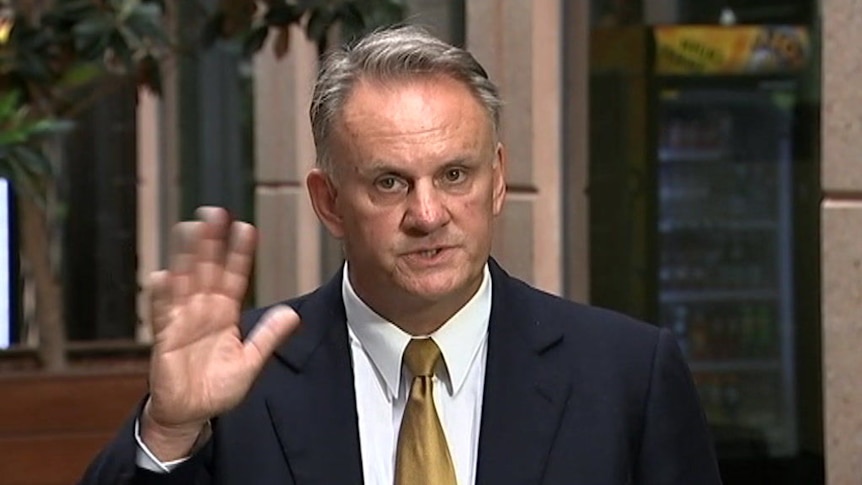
(422,456)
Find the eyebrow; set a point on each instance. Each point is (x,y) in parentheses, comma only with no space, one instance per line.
(380,167)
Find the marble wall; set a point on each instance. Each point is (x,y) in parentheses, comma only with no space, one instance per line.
(841,239)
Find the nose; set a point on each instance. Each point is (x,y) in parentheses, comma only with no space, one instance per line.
(426,209)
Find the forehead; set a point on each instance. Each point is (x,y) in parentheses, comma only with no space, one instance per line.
(410,102)
(410,123)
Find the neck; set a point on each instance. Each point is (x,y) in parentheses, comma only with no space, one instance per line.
(424,319)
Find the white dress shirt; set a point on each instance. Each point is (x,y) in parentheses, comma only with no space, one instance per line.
(382,385)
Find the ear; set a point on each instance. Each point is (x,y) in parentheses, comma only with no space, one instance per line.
(499,178)
(324,196)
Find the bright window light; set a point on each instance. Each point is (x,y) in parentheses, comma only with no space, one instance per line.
(5,273)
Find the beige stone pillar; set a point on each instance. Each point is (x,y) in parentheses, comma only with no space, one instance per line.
(576,149)
(842,240)
(519,43)
(158,179)
(149,205)
(289,234)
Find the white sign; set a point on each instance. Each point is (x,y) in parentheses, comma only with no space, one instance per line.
(5,270)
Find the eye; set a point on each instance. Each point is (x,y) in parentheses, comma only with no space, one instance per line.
(454,175)
(389,183)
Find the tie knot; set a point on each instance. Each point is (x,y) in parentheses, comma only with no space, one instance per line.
(421,356)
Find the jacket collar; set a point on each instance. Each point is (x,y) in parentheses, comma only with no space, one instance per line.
(314,412)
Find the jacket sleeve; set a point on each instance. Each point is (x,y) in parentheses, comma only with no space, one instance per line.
(116,464)
(676,446)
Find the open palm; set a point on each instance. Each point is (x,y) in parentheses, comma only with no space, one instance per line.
(200,365)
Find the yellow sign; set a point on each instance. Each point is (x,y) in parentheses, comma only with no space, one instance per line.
(731,50)
(6,24)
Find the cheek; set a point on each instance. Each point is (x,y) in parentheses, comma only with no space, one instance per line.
(479,207)
(376,229)
(476,218)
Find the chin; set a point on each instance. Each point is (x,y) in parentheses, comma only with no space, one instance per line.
(438,287)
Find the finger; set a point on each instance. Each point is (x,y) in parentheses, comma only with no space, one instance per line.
(183,259)
(239,260)
(276,325)
(160,299)
(210,247)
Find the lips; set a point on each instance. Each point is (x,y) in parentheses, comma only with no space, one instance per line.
(429,255)
(428,252)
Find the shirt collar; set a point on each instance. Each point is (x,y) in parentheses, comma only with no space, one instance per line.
(459,339)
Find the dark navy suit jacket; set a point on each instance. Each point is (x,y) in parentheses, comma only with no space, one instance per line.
(573,395)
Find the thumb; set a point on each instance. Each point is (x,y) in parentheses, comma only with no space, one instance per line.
(276,325)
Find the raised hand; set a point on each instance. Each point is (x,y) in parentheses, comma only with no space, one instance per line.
(200,366)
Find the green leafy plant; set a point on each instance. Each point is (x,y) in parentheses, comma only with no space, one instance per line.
(255,22)
(58,56)
(20,132)
(56,59)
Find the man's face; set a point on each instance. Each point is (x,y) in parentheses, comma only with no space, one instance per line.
(418,181)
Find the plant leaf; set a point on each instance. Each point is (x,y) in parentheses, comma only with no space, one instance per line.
(50,126)
(145,22)
(80,74)
(24,181)
(255,40)
(9,104)
(318,25)
(12,137)
(149,74)
(75,8)
(212,29)
(238,16)
(282,42)
(32,161)
(94,26)
(283,14)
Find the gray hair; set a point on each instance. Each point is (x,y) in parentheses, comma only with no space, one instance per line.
(386,55)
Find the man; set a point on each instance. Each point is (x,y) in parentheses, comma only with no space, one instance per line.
(422,361)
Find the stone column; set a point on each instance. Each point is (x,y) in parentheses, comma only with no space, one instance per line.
(159,192)
(149,206)
(289,234)
(842,240)
(576,148)
(519,43)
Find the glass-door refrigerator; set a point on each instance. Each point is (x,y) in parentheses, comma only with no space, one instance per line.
(693,215)
(724,237)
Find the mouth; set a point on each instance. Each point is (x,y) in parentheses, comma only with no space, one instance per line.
(428,255)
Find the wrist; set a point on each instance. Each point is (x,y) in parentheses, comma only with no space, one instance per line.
(169,442)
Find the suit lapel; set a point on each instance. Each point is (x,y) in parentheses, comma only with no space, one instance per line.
(525,392)
(312,403)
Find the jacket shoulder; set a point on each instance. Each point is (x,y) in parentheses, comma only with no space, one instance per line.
(572,314)
(594,330)
(251,316)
